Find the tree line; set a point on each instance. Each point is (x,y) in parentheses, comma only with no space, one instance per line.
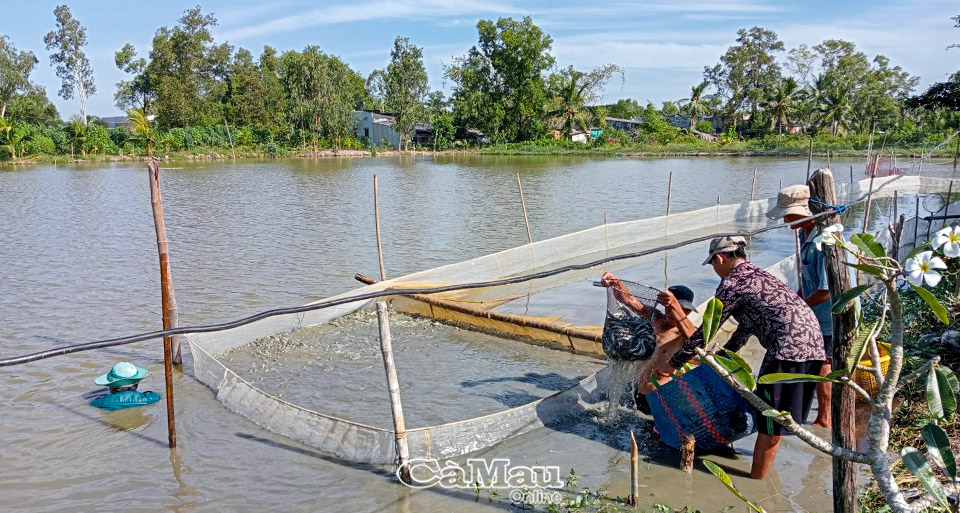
(195,92)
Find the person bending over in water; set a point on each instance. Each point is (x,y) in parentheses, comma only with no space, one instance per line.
(122,382)
(672,330)
(785,326)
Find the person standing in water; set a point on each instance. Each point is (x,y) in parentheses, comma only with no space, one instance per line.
(122,382)
(786,327)
(793,205)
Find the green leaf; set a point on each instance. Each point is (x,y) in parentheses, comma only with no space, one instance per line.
(711,319)
(941,398)
(787,377)
(950,377)
(932,302)
(775,413)
(869,245)
(916,251)
(938,447)
(847,296)
(835,375)
(725,479)
(737,368)
(869,269)
(859,346)
(919,466)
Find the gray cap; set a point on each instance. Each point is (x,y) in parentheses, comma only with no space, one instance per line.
(725,245)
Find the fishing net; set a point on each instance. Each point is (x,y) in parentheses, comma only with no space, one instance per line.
(627,335)
(357,442)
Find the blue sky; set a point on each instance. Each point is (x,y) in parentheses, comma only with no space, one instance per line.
(662,45)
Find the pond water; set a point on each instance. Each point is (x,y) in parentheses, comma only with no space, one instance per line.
(78,262)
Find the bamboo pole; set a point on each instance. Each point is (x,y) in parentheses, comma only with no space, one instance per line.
(866,212)
(851,174)
(669,192)
(389,366)
(809,158)
(828,159)
(946,204)
(843,405)
(916,223)
(753,188)
(523,203)
(956,155)
(604,218)
(168,306)
(634,471)
(230,138)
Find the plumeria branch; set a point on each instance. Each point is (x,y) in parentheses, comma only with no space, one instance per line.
(920,371)
(786,421)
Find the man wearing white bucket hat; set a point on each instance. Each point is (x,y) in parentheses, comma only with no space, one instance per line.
(122,381)
(793,205)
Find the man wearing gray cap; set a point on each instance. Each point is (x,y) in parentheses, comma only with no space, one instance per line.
(785,326)
(793,204)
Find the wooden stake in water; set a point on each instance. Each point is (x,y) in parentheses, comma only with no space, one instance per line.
(851,174)
(166,297)
(753,188)
(634,471)
(916,222)
(604,218)
(523,203)
(946,204)
(866,214)
(669,192)
(389,366)
(809,158)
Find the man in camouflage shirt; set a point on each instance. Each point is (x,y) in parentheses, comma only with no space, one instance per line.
(785,326)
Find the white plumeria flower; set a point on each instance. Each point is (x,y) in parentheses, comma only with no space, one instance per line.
(829,236)
(949,238)
(923,268)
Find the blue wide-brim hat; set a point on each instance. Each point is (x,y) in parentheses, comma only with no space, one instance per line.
(122,374)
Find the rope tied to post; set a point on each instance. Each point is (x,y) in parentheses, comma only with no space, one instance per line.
(838,208)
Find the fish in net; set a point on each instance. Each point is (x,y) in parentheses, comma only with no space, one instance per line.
(626,334)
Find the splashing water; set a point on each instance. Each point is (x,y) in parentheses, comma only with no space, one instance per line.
(624,375)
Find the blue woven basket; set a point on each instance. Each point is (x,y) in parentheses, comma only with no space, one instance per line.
(701,404)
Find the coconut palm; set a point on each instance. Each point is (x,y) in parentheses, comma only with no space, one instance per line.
(77,131)
(697,105)
(836,108)
(782,102)
(141,130)
(572,91)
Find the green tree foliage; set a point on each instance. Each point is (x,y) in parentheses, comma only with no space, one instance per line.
(782,103)
(136,93)
(500,85)
(15,69)
(405,87)
(571,91)
(746,71)
(69,59)
(186,72)
(625,109)
(318,104)
(34,108)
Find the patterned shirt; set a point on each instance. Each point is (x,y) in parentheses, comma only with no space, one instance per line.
(763,306)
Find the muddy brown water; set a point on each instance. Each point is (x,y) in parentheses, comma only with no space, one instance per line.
(78,262)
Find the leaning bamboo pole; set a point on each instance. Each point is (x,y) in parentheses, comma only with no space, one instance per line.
(523,204)
(168,305)
(389,366)
(753,188)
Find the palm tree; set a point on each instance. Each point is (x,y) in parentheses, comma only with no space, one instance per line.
(568,104)
(77,130)
(835,108)
(782,102)
(697,105)
(141,129)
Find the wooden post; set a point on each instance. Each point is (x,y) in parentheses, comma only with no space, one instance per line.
(851,174)
(687,446)
(866,213)
(669,192)
(753,188)
(604,218)
(946,204)
(916,224)
(809,158)
(844,332)
(389,366)
(634,471)
(956,155)
(523,203)
(168,306)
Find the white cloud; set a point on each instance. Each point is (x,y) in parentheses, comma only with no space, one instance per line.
(369,11)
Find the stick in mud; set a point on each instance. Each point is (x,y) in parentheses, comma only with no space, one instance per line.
(634,471)
(687,450)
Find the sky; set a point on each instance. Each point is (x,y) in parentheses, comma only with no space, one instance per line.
(662,45)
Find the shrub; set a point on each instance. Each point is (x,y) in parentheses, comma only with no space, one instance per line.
(704,126)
